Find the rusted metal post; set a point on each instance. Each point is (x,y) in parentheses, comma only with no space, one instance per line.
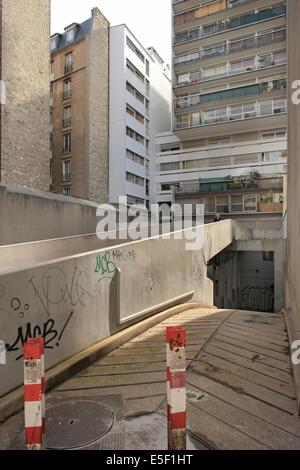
(176,387)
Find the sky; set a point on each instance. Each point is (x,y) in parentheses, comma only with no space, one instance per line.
(149,20)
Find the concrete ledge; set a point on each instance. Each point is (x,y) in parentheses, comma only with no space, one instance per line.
(13,402)
(294,335)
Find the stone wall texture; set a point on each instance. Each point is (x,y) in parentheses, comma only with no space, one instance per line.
(98,109)
(25,119)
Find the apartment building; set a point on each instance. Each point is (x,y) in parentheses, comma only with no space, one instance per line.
(140,107)
(228,148)
(25,98)
(79,109)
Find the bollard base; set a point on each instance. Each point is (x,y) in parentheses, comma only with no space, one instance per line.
(177,439)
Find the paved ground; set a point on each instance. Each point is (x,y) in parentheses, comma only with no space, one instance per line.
(240,387)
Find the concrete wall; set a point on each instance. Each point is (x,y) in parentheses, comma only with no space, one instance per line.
(25,120)
(293,268)
(28,216)
(278,247)
(77,301)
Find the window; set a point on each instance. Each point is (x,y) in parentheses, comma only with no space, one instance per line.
(135,135)
(281,134)
(147,68)
(215,71)
(147,87)
(66,164)
(147,127)
(184,78)
(135,92)
(134,70)
(210,205)
(250,203)
(67,142)
(172,166)
(135,114)
(134,157)
(70,35)
(147,106)
(170,148)
(220,141)
(222,204)
(67,116)
(54,43)
(236,203)
(67,191)
(67,93)
(134,48)
(147,147)
(69,62)
(131,178)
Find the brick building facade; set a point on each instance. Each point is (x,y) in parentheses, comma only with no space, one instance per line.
(80,109)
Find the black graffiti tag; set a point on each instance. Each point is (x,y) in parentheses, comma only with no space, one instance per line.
(48,331)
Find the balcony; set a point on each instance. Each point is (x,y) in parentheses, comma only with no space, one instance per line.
(230,23)
(241,92)
(67,95)
(67,122)
(68,68)
(231,47)
(231,69)
(245,183)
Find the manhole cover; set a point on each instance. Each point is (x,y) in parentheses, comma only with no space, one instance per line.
(77,424)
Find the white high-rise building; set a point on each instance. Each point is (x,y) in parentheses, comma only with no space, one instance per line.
(228,145)
(140,107)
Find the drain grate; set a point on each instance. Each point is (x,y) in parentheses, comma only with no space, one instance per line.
(75,424)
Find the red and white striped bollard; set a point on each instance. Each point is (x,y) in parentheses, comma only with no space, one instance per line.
(34,386)
(176,387)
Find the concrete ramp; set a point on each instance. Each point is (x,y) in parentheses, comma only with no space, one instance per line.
(78,300)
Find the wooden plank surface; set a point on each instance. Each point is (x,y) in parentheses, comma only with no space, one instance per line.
(240,384)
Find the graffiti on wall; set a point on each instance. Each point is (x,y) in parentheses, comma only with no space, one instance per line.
(56,290)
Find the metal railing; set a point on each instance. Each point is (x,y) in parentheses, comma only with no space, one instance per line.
(67,177)
(68,68)
(240,92)
(197,77)
(225,186)
(230,47)
(67,95)
(67,121)
(231,23)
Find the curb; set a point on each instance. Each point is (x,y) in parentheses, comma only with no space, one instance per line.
(293,336)
(13,402)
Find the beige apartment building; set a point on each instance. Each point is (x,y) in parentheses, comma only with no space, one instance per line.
(79,109)
(228,145)
(25,72)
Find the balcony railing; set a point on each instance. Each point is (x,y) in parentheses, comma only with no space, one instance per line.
(227,114)
(67,177)
(231,23)
(67,121)
(241,92)
(230,47)
(223,185)
(68,68)
(259,63)
(67,95)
